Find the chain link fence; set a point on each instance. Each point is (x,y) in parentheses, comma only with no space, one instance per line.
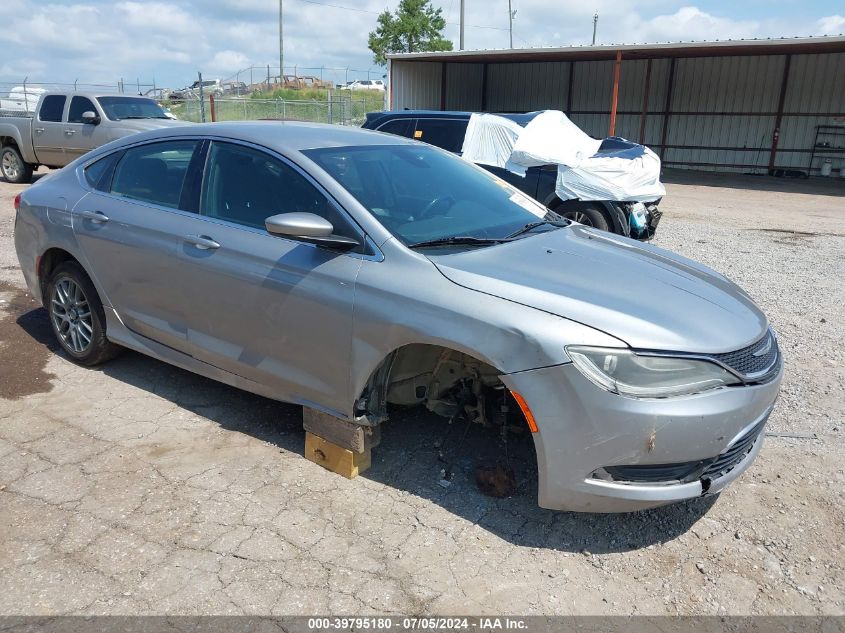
(20,98)
(342,107)
(338,109)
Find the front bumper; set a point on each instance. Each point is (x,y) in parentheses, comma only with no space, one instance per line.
(584,429)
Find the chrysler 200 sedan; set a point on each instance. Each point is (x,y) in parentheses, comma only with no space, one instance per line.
(346,270)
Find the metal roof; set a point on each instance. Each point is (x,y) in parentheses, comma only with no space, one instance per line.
(777,46)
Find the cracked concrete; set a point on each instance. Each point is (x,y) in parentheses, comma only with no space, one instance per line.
(138,488)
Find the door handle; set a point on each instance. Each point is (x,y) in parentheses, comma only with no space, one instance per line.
(202,242)
(39,130)
(70,132)
(94,216)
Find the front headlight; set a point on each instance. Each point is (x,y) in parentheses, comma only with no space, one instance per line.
(638,376)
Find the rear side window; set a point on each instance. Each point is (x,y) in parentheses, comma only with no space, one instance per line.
(447,134)
(79,105)
(52,108)
(399,127)
(98,174)
(154,173)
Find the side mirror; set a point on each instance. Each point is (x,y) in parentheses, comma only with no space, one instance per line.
(308,227)
(90,117)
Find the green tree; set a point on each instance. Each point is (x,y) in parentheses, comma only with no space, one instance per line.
(414,26)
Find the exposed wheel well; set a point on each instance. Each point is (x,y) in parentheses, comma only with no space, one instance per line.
(48,262)
(445,381)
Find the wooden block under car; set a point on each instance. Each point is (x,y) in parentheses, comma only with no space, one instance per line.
(340,460)
(355,437)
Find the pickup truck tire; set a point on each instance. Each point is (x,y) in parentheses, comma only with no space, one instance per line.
(585,213)
(77,316)
(13,167)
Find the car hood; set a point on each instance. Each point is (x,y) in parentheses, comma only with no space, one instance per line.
(648,297)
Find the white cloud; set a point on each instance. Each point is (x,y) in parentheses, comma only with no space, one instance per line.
(227,62)
(102,41)
(831,25)
(691,23)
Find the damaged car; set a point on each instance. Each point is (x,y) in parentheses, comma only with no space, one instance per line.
(611,184)
(349,271)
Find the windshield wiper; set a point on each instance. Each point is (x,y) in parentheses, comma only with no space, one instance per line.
(459,240)
(533,225)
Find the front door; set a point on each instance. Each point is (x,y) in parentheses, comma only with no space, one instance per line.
(275,310)
(48,133)
(82,137)
(130,232)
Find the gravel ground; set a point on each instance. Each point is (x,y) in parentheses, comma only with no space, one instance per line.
(139,488)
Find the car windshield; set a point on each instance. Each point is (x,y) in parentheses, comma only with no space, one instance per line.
(423,194)
(119,108)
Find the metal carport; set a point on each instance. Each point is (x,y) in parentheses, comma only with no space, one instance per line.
(741,105)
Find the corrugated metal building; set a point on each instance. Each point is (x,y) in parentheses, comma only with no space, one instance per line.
(747,105)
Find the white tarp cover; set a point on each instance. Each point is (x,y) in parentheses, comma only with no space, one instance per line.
(612,178)
(551,138)
(489,140)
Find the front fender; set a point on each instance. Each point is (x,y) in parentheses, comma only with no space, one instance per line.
(510,337)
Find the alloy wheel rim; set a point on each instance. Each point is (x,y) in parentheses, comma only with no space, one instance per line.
(580,217)
(11,166)
(71,315)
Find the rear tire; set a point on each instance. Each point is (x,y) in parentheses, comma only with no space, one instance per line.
(585,213)
(77,316)
(13,167)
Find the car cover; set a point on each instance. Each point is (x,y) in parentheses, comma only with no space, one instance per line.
(588,169)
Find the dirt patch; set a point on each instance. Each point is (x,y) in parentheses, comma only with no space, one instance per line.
(26,342)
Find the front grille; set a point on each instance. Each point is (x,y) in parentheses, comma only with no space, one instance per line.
(734,454)
(709,469)
(656,473)
(749,366)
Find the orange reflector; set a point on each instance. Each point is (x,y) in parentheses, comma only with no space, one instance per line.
(529,417)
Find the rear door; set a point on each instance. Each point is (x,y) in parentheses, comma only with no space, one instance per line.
(447,134)
(48,134)
(82,137)
(400,127)
(130,228)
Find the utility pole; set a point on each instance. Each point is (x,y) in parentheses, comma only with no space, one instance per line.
(202,99)
(511,16)
(462,25)
(595,24)
(281,44)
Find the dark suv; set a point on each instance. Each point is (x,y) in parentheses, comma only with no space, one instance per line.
(447,130)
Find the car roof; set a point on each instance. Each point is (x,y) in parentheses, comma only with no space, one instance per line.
(381,117)
(279,135)
(90,95)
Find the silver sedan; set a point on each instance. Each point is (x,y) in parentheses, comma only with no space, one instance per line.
(346,270)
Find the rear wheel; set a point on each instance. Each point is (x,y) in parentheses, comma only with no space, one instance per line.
(77,316)
(586,214)
(14,168)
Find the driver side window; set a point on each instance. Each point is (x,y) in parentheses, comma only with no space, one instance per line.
(245,186)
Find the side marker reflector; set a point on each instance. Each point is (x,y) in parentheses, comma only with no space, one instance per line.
(529,417)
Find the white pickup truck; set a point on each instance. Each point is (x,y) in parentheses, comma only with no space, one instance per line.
(66,125)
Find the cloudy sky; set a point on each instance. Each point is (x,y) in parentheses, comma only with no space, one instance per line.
(100,41)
